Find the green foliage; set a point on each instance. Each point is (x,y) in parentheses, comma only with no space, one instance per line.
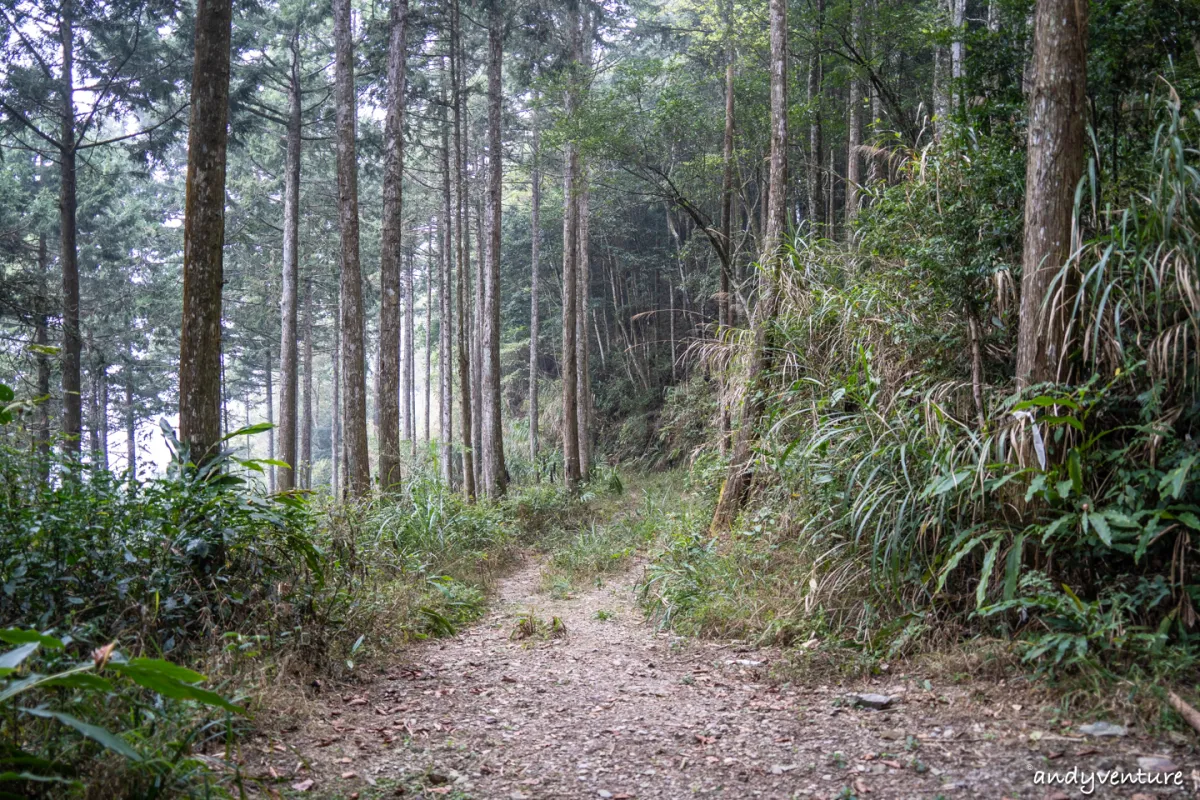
(57,722)
(892,509)
(178,559)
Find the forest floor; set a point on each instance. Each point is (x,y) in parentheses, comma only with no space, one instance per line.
(611,707)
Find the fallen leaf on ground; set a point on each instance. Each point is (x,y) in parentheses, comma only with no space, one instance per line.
(303,786)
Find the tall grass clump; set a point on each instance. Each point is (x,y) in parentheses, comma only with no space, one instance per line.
(909,496)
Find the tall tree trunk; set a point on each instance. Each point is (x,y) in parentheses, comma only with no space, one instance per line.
(570,292)
(445,322)
(854,134)
(958,49)
(288,351)
(408,388)
(737,480)
(130,416)
(335,423)
(816,77)
(495,473)
(428,330)
(72,350)
(358,468)
(391,288)
(724,301)
(462,255)
(270,420)
(224,399)
(1053,168)
(103,415)
(306,423)
(476,334)
(941,78)
(204,234)
(535,222)
(582,337)
(727,188)
(41,340)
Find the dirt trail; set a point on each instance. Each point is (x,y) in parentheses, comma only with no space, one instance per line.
(614,709)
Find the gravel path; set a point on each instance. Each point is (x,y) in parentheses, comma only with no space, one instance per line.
(614,709)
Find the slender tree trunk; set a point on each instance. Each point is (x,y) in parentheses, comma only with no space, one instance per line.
(724,301)
(737,481)
(958,52)
(41,340)
(495,473)
(941,78)
(1057,109)
(95,424)
(976,366)
(854,134)
(224,399)
(671,329)
(72,349)
(270,421)
(358,469)
(727,188)
(582,338)
(445,324)
(570,294)
(306,423)
(391,288)
(409,408)
(288,350)
(335,424)
(429,277)
(130,416)
(204,233)
(535,222)
(816,77)
(830,214)
(476,334)
(102,377)
(584,280)
(462,256)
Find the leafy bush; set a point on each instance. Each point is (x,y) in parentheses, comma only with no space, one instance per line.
(56,724)
(173,561)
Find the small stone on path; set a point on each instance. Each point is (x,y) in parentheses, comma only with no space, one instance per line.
(1102,729)
(875,701)
(1157,764)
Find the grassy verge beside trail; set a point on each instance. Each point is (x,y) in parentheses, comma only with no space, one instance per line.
(620,528)
(118,595)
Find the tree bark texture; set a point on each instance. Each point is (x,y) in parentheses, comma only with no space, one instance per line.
(289,356)
(495,473)
(354,371)
(816,77)
(445,322)
(72,349)
(570,294)
(390,265)
(535,221)
(204,233)
(1057,108)
(304,478)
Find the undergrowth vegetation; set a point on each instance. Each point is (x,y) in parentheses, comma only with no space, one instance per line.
(909,497)
(112,591)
